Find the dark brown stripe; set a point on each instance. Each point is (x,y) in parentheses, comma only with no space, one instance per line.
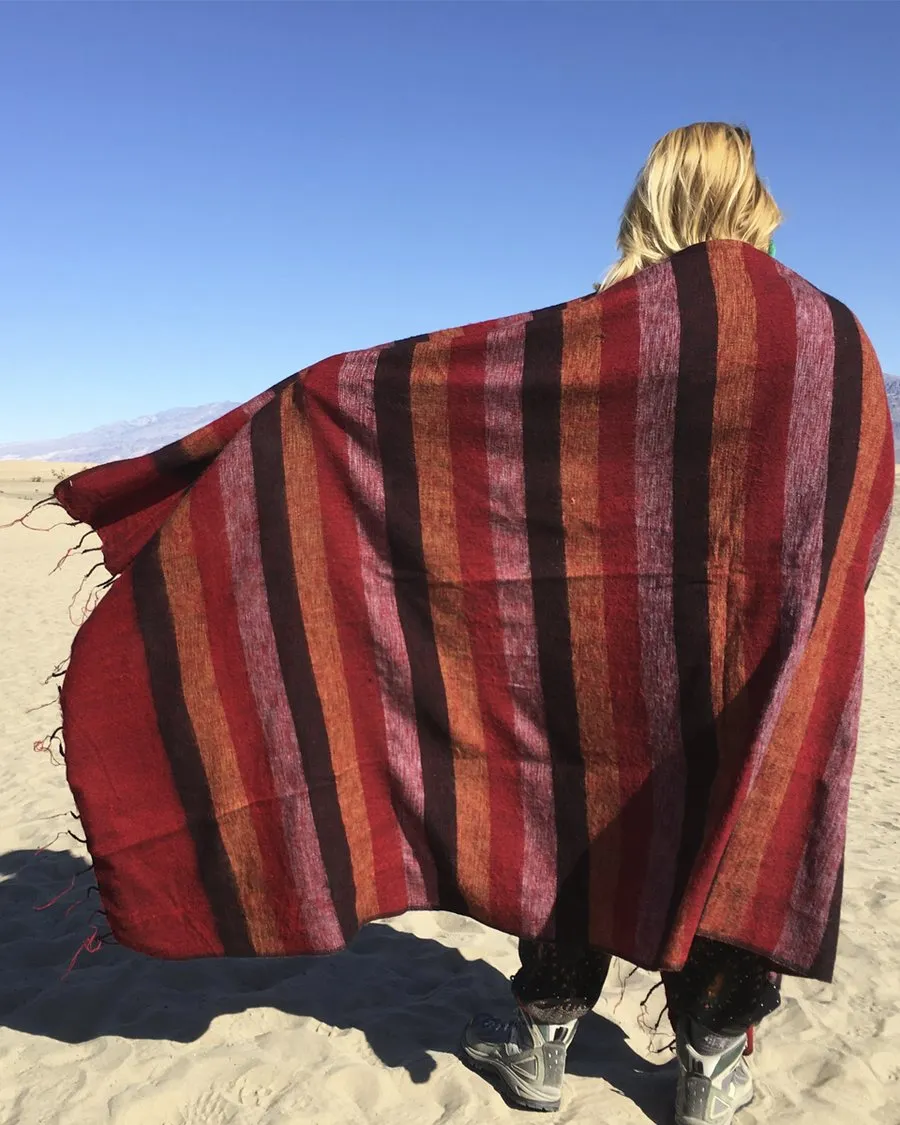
(690,501)
(822,967)
(843,439)
(296,667)
(393,415)
(173,458)
(541,418)
(189,777)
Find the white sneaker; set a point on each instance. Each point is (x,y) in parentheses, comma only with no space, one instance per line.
(528,1057)
(711,1087)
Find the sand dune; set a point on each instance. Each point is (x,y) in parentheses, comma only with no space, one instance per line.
(369,1036)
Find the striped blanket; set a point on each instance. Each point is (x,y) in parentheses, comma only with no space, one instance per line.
(554,621)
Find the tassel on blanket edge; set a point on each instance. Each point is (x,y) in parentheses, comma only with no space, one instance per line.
(42,706)
(21,520)
(79,548)
(53,901)
(94,597)
(45,745)
(624,984)
(86,897)
(58,671)
(91,944)
(652,1029)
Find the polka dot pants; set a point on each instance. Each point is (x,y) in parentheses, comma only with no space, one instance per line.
(726,989)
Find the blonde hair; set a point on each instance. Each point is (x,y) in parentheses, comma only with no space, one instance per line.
(699,183)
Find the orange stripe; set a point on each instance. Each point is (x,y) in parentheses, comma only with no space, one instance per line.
(736,364)
(579,423)
(739,874)
(201,443)
(431,437)
(732,419)
(310,565)
(204,705)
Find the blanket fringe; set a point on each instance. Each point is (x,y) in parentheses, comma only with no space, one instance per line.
(21,520)
(79,548)
(58,671)
(652,1030)
(95,940)
(45,745)
(42,706)
(91,944)
(54,741)
(44,847)
(94,596)
(62,894)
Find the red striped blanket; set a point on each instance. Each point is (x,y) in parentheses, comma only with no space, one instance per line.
(555,621)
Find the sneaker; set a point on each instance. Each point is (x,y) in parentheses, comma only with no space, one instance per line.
(528,1057)
(712,1087)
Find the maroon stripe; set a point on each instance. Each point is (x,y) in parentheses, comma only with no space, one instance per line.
(296,667)
(822,967)
(177,733)
(843,440)
(541,416)
(393,413)
(690,502)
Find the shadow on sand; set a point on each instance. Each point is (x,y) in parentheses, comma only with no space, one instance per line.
(410,996)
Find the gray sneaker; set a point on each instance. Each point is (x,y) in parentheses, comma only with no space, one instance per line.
(712,1087)
(528,1057)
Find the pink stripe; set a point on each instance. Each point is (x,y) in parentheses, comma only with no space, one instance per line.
(506,476)
(657,393)
(255,404)
(806,479)
(356,399)
(235,479)
(817,875)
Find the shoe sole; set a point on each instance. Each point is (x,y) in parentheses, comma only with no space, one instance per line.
(495,1074)
(698,1121)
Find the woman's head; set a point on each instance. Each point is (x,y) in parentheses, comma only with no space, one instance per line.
(699,183)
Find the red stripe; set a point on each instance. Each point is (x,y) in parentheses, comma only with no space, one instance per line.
(207,519)
(472,501)
(798,808)
(108,710)
(616,508)
(341,545)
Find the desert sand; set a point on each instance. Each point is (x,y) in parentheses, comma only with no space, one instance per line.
(370,1035)
(32,480)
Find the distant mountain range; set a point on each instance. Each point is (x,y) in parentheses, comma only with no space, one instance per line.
(118,440)
(893,390)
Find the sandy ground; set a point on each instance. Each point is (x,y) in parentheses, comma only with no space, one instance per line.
(370,1035)
(32,480)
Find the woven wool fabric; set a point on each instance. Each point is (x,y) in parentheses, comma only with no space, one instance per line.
(555,621)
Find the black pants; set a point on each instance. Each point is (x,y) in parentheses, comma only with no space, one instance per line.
(728,990)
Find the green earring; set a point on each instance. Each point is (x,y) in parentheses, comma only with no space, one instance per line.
(772,248)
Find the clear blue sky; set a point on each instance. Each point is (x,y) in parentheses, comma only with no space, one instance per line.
(197,200)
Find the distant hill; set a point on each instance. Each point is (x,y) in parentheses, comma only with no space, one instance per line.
(118,440)
(892,382)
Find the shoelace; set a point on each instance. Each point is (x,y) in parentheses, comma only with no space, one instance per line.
(507,1031)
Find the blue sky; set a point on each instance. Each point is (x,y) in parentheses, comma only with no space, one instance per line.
(198,199)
